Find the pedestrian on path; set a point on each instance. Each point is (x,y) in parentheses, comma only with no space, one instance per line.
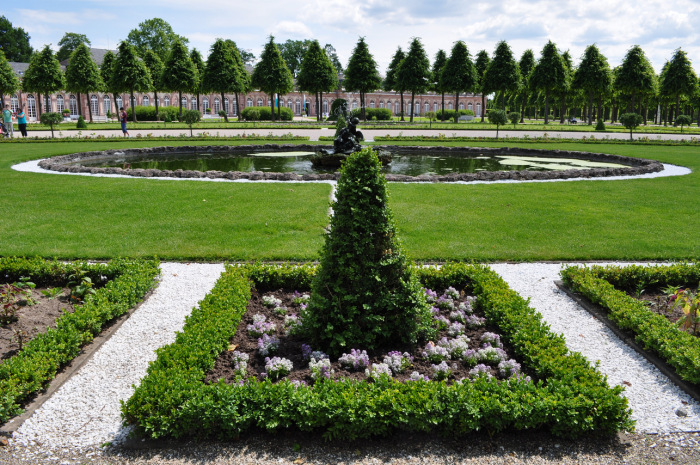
(7,120)
(22,121)
(122,117)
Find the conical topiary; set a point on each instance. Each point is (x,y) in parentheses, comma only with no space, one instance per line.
(364,295)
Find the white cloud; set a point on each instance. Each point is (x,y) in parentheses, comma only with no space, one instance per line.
(293,29)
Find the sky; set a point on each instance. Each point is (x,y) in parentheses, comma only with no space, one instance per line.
(659,27)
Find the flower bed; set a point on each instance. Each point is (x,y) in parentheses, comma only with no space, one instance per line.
(122,284)
(570,398)
(608,287)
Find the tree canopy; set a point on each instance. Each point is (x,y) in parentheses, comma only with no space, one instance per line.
(293,52)
(679,79)
(502,74)
(155,67)
(481,65)
(179,72)
(592,76)
(271,74)
(414,71)
(333,56)
(459,74)
(129,74)
(635,75)
(549,74)
(14,42)
(361,74)
(44,75)
(82,74)
(155,34)
(9,83)
(69,43)
(391,82)
(317,74)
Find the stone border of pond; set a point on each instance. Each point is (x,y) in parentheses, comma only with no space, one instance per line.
(635,166)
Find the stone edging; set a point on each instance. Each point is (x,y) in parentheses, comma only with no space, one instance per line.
(636,166)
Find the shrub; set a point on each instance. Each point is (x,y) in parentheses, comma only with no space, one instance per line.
(191,117)
(149,113)
(683,120)
(499,118)
(631,121)
(81,124)
(600,125)
(264,114)
(452,114)
(364,293)
(52,119)
(514,118)
(337,108)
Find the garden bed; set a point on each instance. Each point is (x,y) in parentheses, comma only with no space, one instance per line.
(605,291)
(120,285)
(570,398)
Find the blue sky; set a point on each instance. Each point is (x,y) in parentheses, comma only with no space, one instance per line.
(658,26)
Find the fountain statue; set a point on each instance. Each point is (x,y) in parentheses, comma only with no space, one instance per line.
(346,142)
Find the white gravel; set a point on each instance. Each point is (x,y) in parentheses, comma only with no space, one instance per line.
(85,411)
(653,398)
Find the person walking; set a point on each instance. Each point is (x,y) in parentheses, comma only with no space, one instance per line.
(122,118)
(22,121)
(7,120)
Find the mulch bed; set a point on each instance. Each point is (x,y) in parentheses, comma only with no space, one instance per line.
(661,304)
(33,320)
(290,348)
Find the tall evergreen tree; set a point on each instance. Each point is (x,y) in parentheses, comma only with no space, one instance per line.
(14,42)
(82,75)
(679,79)
(436,72)
(391,81)
(526,65)
(635,75)
(271,74)
(243,84)
(593,76)
(502,74)
(317,74)
(459,74)
(44,75)
(129,74)
(549,74)
(68,43)
(106,74)
(414,72)
(155,67)
(179,73)
(361,74)
(565,88)
(221,72)
(9,84)
(196,58)
(481,65)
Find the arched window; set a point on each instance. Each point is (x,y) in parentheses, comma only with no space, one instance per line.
(449,106)
(461,105)
(193,104)
(478,109)
(381,104)
(298,107)
(73,105)
(183,102)
(166,101)
(249,103)
(325,106)
(217,106)
(146,101)
(47,104)
(14,103)
(205,104)
(226,105)
(371,104)
(290,104)
(470,106)
(436,107)
(260,102)
(120,103)
(94,105)
(60,103)
(354,104)
(107,102)
(397,108)
(31,106)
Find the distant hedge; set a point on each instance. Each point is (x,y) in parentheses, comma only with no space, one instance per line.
(149,113)
(374,114)
(263,114)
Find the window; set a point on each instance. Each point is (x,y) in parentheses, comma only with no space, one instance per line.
(217,106)
(205,104)
(461,105)
(146,101)
(436,107)
(107,104)
(183,102)
(120,103)
(409,108)
(94,105)
(371,104)
(260,102)
(73,104)
(381,104)
(427,107)
(226,106)
(325,106)
(249,103)
(478,109)
(166,101)
(397,108)
(290,104)
(193,104)
(47,103)
(298,108)
(31,106)
(470,106)
(14,103)
(60,103)
(449,106)
(354,104)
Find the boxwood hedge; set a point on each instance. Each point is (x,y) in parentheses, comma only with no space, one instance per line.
(121,285)
(608,287)
(571,397)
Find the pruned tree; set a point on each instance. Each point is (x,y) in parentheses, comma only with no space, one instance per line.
(481,65)
(243,84)
(221,70)
(361,74)
(9,83)
(106,74)
(499,118)
(44,75)
(155,68)
(593,76)
(129,74)
(459,74)
(196,58)
(271,74)
(51,119)
(391,82)
(436,85)
(414,72)
(502,74)
(154,34)
(548,75)
(679,79)
(317,74)
(14,42)
(68,43)
(82,75)
(635,75)
(526,65)
(179,73)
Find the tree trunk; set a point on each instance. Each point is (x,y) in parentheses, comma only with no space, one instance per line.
(678,106)
(155,96)
(546,106)
(562,109)
(199,109)
(238,107)
(80,104)
(133,106)
(456,107)
(632,103)
(362,106)
(279,108)
(590,108)
(222,102)
(600,108)
(272,107)
(442,109)
(38,101)
(413,109)
(522,109)
(89,108)
(503,99)
(402,110)
(483,107)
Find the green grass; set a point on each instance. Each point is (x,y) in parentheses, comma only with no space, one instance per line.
(81,217)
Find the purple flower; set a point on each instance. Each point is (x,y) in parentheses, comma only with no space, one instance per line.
(355,360)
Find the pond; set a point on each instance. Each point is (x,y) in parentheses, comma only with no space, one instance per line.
(299,162)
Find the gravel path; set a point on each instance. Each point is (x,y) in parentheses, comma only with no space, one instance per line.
(83,414)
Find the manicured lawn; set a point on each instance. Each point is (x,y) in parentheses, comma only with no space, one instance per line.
(82,217)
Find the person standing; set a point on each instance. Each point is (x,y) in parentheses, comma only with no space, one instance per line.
(122,118)
(7,120)
(22,121)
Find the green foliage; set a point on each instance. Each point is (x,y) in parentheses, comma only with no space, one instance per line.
(155,68)
(374,114)
(635,75)
(678,78)
(502,74)
(154,34)
(129,74)
(82,74)
(514,118)
(179,73)
(608,287)
(44,74)
(81,124)
(499,118)
(38,362)
(364,295)
(271,74)
(264,114)
(14,42)
(572,398)
(150,114)
(337,109)
(316,73)
(549,75)
(9,83)
(69,43)
(452,114)
(51,119)
(413,74)
(683,120)
(293,52)
(221,72)
(361,74)
(459,74)
(631,121)
(600,125)
(191,117)
(391,82)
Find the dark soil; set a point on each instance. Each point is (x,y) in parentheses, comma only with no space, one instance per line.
(32,320)
(290,348)
(661,304)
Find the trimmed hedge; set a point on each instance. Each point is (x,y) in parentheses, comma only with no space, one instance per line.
(571,398)
(263,114)
(149,113)
(123,285)
(606,287)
